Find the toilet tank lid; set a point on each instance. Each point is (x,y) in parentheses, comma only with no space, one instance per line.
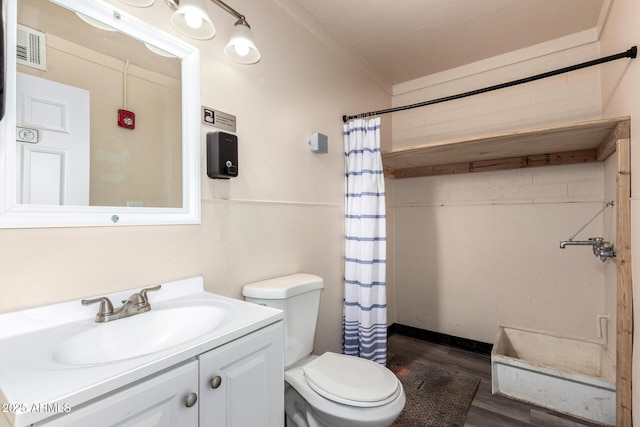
(283,287)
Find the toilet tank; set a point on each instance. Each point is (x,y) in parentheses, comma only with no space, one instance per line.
(298,295)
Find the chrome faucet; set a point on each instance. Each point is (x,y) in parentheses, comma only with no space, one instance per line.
(601,248)
(565,243)
(135,304)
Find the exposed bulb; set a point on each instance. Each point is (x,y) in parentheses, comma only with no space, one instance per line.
(193,20)
(242,49)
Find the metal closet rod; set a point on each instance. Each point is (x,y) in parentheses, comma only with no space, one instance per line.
(631,53)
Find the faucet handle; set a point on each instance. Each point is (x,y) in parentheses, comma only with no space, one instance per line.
(105,305)
(144,291)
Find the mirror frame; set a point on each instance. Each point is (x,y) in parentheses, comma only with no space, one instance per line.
(14,215)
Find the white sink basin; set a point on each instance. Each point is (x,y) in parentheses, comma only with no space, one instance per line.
(141,334)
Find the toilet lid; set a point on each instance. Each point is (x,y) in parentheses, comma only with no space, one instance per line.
(351,380)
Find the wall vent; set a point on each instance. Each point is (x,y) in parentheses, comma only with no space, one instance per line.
(31,48)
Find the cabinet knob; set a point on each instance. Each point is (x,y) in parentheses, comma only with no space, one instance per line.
(191,400)
(216,381)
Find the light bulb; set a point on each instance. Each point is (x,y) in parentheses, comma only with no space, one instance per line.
(242,48)
(193,20)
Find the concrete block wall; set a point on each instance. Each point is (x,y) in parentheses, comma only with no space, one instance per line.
(554,184)
(564,98)
(474,251)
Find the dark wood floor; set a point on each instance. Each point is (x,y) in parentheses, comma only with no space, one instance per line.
(487,410)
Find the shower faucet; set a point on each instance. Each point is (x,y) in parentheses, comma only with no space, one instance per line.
(601,248)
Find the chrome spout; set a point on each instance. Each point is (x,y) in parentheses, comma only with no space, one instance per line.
(565,243)
(601,249)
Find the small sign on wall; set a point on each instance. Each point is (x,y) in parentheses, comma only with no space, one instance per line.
(218,119)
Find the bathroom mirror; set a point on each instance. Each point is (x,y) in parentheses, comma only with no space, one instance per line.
(102,121)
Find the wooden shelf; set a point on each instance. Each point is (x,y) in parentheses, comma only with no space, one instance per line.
(566,144)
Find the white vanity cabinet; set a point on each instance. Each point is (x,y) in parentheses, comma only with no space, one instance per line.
(160,401)
(238,384)
(242,383)
(58,367)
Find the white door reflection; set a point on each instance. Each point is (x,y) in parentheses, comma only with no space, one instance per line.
(55,170)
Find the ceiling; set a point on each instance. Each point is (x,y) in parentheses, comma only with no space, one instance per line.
(58,21)
(407,39)
(402,40)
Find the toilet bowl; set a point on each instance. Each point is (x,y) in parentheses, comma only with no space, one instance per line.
(326,391)
(331,390)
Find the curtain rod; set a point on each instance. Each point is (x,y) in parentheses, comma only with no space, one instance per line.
(631,53)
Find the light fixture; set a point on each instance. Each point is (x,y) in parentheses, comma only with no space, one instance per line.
(95,23)
(159,51)
(138,3)
(241,47)
(190,18)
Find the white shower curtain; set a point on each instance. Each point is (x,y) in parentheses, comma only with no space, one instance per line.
(365,300)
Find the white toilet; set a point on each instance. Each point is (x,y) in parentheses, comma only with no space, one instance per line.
(332,389)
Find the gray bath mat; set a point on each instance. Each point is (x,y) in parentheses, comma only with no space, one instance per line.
(437,396)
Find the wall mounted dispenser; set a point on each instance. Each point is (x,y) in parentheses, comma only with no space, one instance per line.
(319,143)
(222,155)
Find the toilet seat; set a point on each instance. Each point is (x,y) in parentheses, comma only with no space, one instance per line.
(351,381)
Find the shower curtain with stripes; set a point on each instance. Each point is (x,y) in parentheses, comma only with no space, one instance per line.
(365,305)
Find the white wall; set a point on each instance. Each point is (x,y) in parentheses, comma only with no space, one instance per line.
(283,214)
(620,89)
(473,251)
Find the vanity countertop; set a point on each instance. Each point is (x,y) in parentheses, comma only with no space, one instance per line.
(34,385)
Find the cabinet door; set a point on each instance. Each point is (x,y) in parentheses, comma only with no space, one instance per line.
(157,402)
(242,383)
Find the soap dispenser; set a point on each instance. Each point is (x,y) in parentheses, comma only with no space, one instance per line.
(222,155)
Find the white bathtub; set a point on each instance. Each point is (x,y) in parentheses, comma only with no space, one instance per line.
(565,374)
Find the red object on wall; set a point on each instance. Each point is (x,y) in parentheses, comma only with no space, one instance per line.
(126,119)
